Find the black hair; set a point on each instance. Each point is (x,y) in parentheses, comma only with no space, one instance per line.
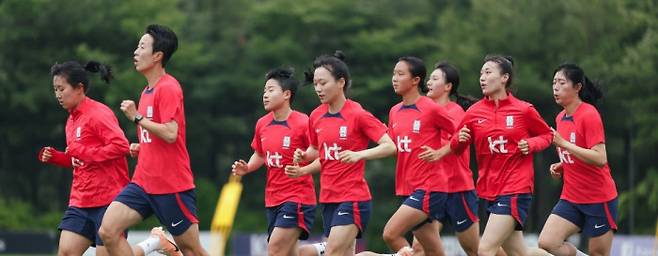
(164,40)
(451,75)
(417,69)
(336,65)
(286,80)
(590,91)
(76,75)
(506,65)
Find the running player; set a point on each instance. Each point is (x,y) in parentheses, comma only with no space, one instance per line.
(416,124)
(340,130)
(162,183)
(506,132)
(290,202)
(588,203)
(96,150)
(461,205)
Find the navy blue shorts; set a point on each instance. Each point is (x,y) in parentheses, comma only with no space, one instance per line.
(346,213)
(176,211)
(84,222)
(516,205)
(461,210)
(291,215)
(592,219)
(432,203)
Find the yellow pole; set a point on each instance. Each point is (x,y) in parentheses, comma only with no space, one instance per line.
(222,222)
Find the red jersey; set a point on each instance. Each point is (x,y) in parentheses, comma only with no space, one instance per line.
(456,165)
(93,135)
(276,141)
(496,132)
(584,183)
(411,127)
(349,129)
(163,168)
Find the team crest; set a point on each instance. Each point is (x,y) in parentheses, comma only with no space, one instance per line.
(572,137)
(342,132)
(77,132)
(149,112)
(286,141)
(509,121)
(416,126)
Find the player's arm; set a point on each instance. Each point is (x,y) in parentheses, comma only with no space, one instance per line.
(540,132)
(166,131)
(53,156)
(385,148)
(596,155)
(115,145)
(294,171)
(240,167)
(430,155)
(304,156)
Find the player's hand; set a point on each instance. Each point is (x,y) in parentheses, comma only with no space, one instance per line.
(348,156)
(557,138)
(134,149)
(464,134)
(294,171)
(47,154)
(129,109)
(429,154)
(556,170)
(298,156)
(239,167)
(524,147)
(76,163)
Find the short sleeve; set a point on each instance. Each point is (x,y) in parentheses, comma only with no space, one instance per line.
(255,143)
(592,128)
(169,102)
(371,126)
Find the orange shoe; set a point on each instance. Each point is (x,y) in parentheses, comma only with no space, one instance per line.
(167,247)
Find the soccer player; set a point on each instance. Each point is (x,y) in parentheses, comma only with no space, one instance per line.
(162,183)
(588,203)
(506,132)
(290,202)
(340,130)
(96,150)
(461,204)
(416,124)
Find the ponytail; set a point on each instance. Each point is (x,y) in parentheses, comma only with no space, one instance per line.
(104,70)
(76,75)
(465,101)
(590,92)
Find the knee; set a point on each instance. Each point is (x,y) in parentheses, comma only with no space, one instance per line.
(598,250)
(108,235)
(275,248)
(388,236)
(470,249)
(65,251)
(192,250)
(486,250)
(548,244)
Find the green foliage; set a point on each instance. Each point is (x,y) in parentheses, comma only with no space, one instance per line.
(20,215)
(645,196)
